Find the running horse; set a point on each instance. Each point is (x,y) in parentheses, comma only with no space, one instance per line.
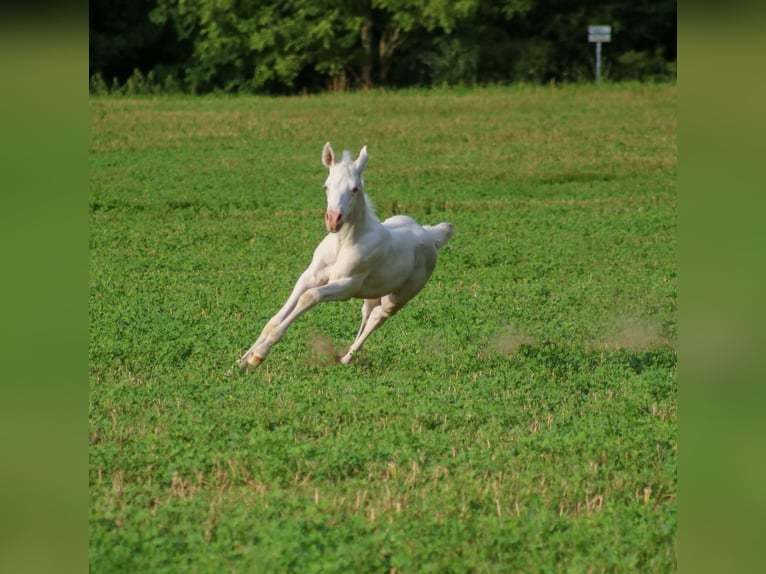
(385,264)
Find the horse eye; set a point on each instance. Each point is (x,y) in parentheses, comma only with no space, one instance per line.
(355,189)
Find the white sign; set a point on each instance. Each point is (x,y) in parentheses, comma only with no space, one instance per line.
(599,33)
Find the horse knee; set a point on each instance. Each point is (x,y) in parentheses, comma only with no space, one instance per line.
(391,305)
(387,310)
(308,299)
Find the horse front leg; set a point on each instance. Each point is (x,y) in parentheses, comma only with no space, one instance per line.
(258,351)
(275,330)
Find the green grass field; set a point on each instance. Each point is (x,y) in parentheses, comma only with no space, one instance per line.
(519,415)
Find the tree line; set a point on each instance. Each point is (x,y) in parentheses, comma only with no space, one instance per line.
(293,46)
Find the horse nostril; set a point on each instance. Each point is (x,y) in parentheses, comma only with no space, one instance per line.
(332,219)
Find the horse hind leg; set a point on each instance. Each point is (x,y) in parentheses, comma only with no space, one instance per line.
(377,315)
(367,306)
(391,304)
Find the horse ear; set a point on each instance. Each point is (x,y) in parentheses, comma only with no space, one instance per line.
(328,156)
(361,161)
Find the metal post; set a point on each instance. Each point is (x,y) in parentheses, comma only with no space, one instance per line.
(597,35)
(598,62)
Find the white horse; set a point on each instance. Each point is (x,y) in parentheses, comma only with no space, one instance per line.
(386,264)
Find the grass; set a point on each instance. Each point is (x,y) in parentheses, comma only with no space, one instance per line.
(518,415)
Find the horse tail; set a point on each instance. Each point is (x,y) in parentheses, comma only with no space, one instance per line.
(440,233)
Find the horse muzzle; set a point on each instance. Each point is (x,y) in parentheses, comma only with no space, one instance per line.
(333,220)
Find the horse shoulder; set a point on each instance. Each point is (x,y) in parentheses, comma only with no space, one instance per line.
(324,258)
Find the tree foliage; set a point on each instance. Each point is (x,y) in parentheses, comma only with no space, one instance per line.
(286,46)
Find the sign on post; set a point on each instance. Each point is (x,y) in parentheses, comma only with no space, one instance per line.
(599,34)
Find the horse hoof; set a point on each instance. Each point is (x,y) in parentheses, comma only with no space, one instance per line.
(251,359)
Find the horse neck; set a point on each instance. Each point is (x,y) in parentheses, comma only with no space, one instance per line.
(362,217)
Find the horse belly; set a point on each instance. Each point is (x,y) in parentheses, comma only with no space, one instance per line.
(387,278)
(407,265)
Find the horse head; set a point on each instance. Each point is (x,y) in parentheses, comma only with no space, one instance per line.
(343,185)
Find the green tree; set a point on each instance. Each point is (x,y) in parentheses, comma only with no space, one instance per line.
(256,45)
(286,46)
(122,39)
(395,21)
(250,45)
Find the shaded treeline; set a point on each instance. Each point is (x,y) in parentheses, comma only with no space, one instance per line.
(288,46)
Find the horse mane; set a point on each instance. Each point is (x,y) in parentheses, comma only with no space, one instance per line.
(370,206)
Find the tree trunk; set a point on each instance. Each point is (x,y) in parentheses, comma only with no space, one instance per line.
(367,47)
(389,40)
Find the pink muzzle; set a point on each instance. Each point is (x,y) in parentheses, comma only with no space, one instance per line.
(333,220)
